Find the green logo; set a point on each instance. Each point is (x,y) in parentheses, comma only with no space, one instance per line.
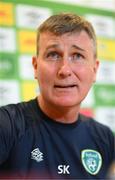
(91,160)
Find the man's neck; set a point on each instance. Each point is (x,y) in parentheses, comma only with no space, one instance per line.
(59,114)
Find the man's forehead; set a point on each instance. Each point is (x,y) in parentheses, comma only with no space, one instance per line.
(51,37)
(75,40)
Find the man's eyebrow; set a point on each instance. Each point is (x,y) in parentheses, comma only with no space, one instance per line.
(57,46)
(52,46)
(77,47)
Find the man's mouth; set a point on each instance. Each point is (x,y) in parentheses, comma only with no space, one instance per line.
(65,86)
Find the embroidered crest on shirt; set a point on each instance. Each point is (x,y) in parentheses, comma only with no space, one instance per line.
(37,155)
(91,160)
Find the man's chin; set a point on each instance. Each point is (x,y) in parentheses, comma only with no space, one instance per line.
(63,103)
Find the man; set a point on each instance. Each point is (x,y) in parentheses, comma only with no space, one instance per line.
(47,137)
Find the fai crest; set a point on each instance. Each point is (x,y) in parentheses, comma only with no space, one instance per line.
(91,160)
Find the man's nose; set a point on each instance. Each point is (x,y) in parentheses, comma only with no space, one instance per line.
(65,69)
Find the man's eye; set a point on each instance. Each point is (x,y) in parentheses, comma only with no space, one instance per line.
(53,56)
(77,56)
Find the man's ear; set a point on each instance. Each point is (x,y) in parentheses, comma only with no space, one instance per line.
(35,66)
(96,66)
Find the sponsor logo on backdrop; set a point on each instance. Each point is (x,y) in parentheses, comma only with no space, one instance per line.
(31,16)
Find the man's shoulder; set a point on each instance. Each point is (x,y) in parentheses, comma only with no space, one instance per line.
(16,118)
(97,129)
(17,114)
(90,121)
(18,109)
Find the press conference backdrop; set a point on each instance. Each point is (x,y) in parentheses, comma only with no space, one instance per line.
(19,20)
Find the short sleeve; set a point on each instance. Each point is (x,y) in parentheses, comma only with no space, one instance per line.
(6,134)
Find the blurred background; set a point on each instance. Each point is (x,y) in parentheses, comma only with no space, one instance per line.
(19,20)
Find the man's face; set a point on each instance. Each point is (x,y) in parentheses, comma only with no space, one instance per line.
(65,68)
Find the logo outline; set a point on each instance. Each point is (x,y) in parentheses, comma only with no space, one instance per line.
(95,167)
(37,155)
